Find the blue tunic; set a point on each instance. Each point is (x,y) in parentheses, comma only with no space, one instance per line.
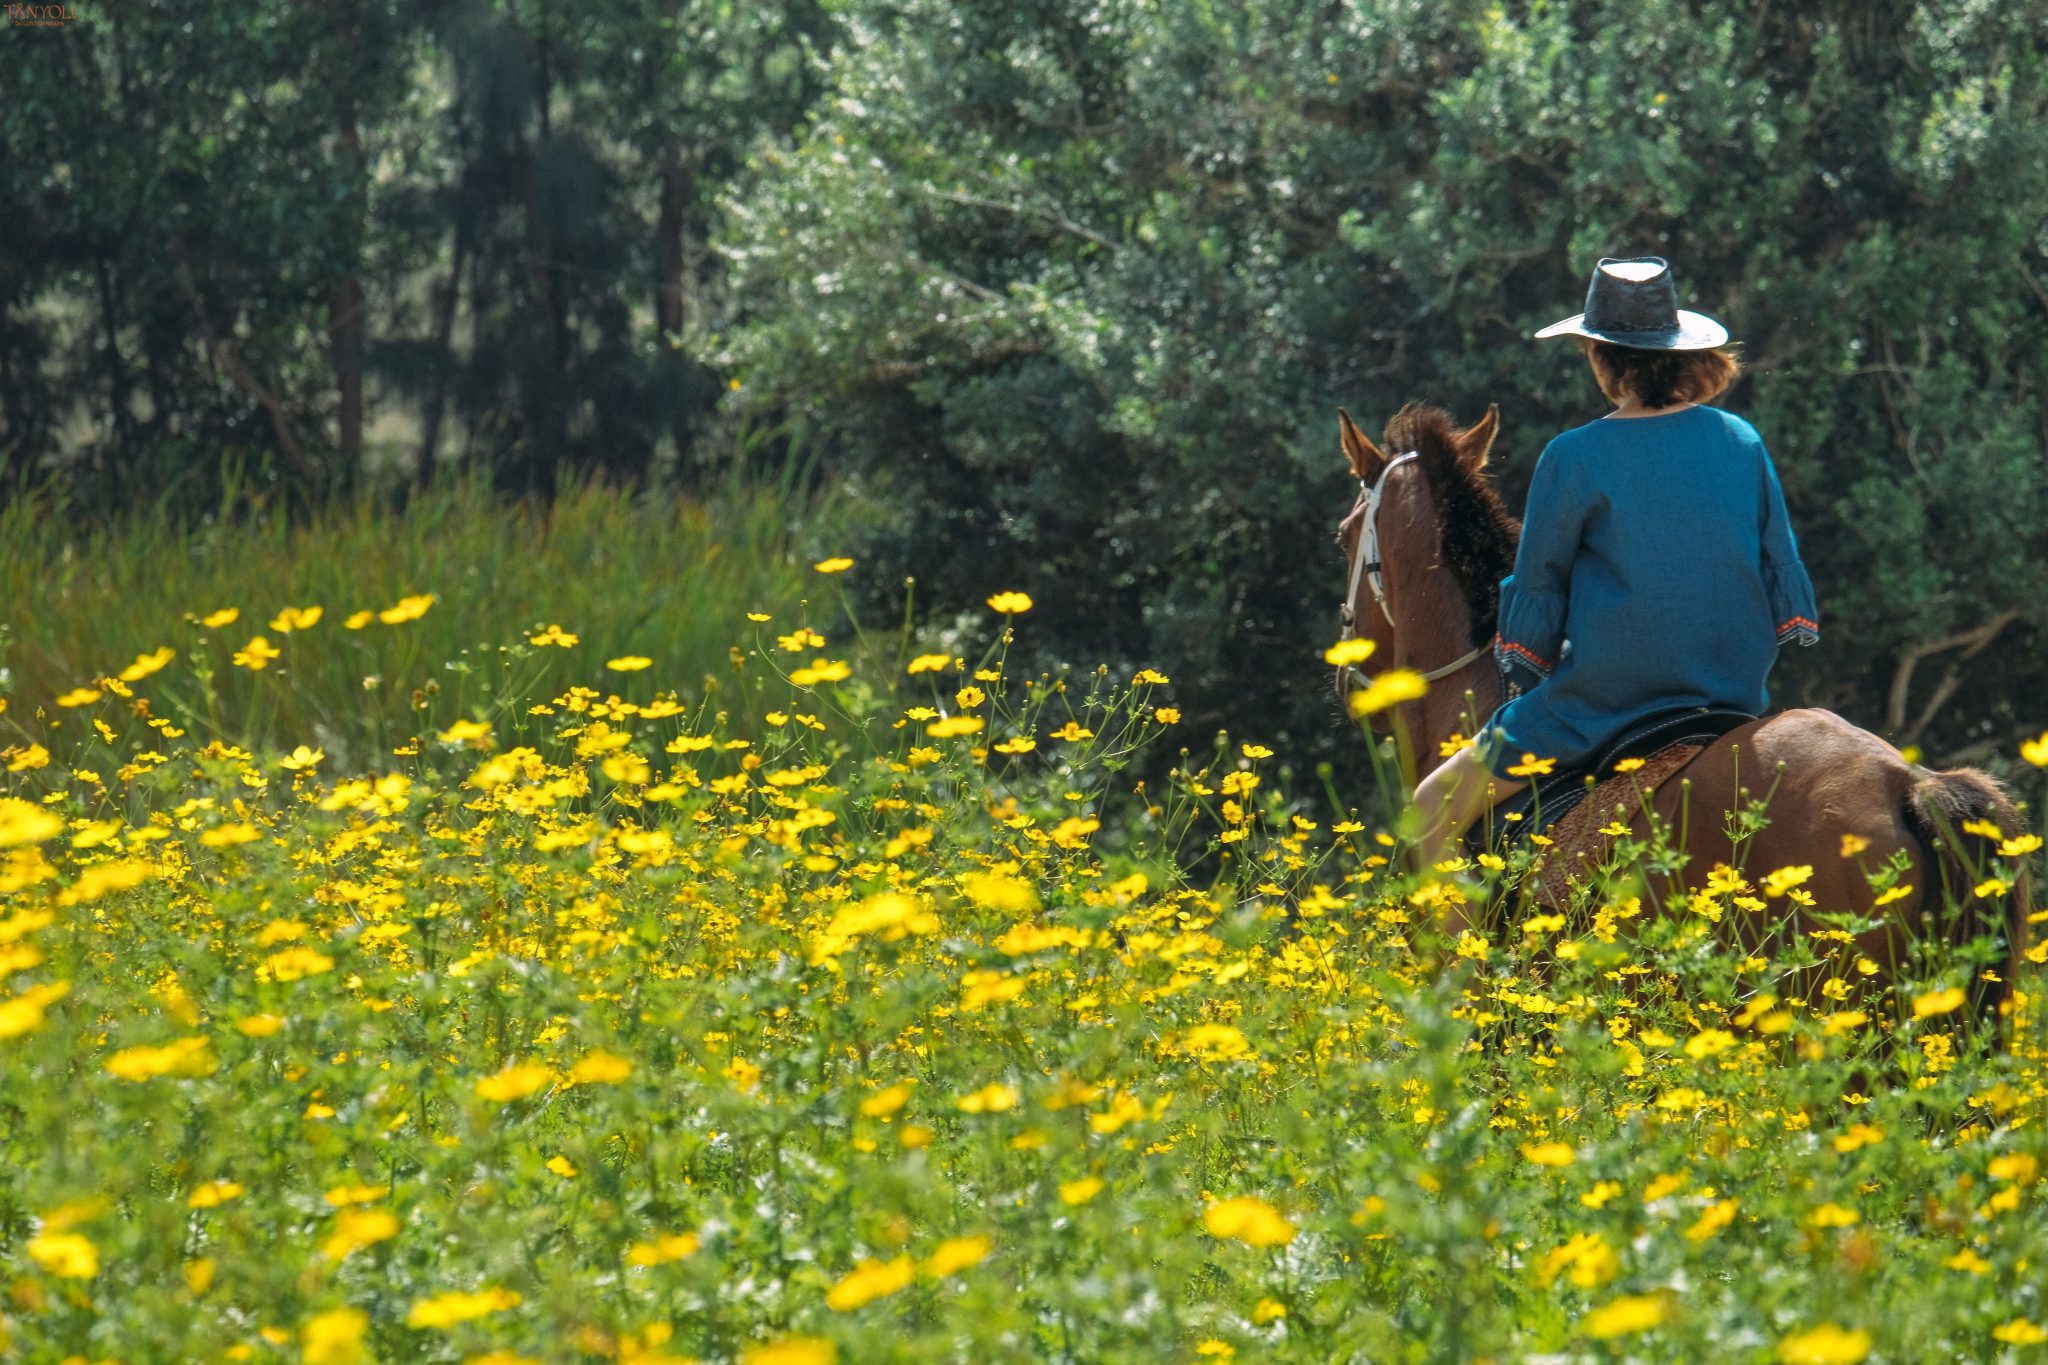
(1657,569)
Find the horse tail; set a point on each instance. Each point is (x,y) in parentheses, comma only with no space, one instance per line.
(1937,808)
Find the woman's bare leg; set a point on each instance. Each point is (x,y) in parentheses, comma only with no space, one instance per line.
(1454,794)
(1458,791)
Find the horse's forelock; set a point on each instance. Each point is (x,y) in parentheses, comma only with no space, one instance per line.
(1428,431)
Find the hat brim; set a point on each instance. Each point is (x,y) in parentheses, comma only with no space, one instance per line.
(1695,332)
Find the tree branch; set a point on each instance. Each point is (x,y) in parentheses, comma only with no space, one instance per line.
(1971,642)
(1049,212)
(224,355)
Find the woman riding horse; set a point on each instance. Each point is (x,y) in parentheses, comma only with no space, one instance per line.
(1658,546)
(1661,526)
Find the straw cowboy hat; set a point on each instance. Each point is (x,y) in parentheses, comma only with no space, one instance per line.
(1633,302)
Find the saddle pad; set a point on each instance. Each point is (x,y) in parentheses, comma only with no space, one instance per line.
(1577,847)
(1547,800)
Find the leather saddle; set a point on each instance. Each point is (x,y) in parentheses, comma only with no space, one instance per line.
(1546,800)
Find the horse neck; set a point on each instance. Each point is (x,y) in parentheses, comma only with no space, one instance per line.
(1441,630)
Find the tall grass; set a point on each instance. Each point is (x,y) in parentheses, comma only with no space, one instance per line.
(653,575)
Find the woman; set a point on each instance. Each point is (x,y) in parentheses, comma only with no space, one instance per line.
(1657,568)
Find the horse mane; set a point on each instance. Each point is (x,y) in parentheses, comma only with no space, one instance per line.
(1476,536)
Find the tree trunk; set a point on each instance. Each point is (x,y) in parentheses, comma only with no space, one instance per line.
(119,391)
(669,298)
(444,360)
(545,437)
(345,317)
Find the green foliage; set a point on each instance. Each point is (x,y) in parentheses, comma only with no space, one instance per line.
(1070,290)
(326,242)
(1076,289)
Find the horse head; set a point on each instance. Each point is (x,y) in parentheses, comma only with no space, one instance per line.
(1425,545)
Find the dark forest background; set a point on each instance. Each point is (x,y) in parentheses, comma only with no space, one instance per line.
(1062,293)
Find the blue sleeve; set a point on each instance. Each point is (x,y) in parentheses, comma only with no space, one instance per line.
(1534,597)
(1785,580)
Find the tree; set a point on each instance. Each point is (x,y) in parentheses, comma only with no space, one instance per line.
(246,235)
(1076,289)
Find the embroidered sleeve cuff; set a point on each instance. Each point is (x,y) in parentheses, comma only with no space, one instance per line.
(1792,605)
(1804,629)
(1531,628)
(1521,656)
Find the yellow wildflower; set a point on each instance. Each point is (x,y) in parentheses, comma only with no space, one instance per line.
(1247,1219)
(955,1255)
(661,1250)
(1628,1314)
(302,759)
(1712,1219)
(22,823)
(407,609)
(993,1098)
(295,618)
(297,962)
(334,1337)
(356,1228)
(1388,689)
(868,1281)
(515,1082)
(792,1351)
(447,1310)
(1832,1215)
(598,1067)
(67,1255)
(213,1194)
(146,664)
(257,654)
(1826,1344)
(1939,1002)
(184,1057)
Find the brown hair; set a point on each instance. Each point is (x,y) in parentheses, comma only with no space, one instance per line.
(1660,379)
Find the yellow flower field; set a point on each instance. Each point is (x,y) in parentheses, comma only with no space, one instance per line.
(877,1012)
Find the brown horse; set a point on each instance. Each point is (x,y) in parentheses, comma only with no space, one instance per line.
(1444,540)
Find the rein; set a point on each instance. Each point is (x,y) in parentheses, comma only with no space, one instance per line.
(1365,565)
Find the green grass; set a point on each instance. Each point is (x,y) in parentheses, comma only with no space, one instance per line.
(656,576)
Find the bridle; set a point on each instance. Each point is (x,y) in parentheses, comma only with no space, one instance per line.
(1365,565)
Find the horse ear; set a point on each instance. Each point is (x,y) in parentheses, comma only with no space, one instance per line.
(1365,457)
(1477,440)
